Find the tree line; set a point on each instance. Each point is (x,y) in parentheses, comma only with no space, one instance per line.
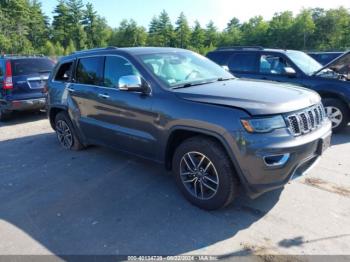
(24,28)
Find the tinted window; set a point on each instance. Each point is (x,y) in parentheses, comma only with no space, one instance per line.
(64,72)
(219,57)
(273,64)
(115,68)
(90,71)
(31,66)
(244,62)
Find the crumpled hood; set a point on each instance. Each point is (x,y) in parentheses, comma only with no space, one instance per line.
(256,97)
(340,65)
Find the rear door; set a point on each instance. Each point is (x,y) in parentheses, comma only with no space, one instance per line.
(82,92)
(29,76)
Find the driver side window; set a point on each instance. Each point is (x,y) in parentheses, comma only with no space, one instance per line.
(273,64)
(115,68)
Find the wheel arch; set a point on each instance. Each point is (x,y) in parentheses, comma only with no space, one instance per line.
(53,111)
(326,94)
(179,134)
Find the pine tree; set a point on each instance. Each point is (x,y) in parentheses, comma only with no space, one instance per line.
(197,36)
(60,24)
(183,32)
(211,34)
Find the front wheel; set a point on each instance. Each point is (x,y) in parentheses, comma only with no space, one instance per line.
(204,173)
(337,112)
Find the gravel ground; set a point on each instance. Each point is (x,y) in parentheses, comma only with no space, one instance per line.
(101,202)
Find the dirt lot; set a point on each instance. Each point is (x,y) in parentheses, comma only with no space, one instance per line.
(101,202)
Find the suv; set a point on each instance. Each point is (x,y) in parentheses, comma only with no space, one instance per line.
(22,81)
(178,108)
(296,67)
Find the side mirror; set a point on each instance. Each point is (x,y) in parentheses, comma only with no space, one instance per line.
(132,83)
(226,68)
(289,71)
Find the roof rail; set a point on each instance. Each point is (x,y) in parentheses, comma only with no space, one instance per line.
(241,48)
(21,55)
(95,49)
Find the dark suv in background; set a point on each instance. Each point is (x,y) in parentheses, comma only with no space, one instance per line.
(178,108)
(331,81)
(22,81)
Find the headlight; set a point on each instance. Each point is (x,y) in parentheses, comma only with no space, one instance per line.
(263,125)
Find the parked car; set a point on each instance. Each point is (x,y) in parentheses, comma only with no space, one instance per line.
(296,67)
(175,107)
(22,79)
(324,57)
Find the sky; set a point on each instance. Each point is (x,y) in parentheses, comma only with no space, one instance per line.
(220,11)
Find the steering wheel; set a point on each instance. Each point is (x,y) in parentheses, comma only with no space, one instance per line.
(191,73)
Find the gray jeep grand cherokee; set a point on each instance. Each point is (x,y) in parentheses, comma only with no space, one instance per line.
(176,107)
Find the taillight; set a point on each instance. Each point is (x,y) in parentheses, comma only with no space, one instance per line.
(8,76)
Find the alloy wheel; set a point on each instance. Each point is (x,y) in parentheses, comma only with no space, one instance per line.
(64,134)
(199,175)
(335,115)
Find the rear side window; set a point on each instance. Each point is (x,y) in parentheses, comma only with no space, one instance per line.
(219,57)
(243,62)
(90,71)
(64,72)
(30,66)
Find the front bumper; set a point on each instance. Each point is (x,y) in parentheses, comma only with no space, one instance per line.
(23,105)
(300,154)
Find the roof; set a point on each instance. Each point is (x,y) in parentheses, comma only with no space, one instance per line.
(128,50)
(252,48)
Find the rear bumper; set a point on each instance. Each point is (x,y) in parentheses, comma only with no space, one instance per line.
(23,105)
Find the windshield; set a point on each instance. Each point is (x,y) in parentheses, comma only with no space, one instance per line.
(305,62)
(179,69)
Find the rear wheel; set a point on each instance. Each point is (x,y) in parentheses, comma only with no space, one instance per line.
(337,112)
(204,174)
(65,132)
(5,115)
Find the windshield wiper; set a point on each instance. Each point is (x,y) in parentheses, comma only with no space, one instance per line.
(225,79)
(192,84)
(203,83)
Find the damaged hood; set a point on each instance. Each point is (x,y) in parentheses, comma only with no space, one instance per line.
(255,97)
(340,65)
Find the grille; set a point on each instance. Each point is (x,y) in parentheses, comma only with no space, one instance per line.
(307,120)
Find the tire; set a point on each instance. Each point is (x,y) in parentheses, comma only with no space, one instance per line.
(66,135)
(5,115)
(220,171)
(337,111)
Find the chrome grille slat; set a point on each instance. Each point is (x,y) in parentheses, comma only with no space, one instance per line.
(307,120)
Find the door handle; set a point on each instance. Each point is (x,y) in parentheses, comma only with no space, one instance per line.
(104,96)
(70,89)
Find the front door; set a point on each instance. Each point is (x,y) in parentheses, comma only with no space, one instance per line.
(126,117)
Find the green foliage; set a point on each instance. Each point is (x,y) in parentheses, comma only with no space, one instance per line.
(25,29)
(182,32)
(128,34)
